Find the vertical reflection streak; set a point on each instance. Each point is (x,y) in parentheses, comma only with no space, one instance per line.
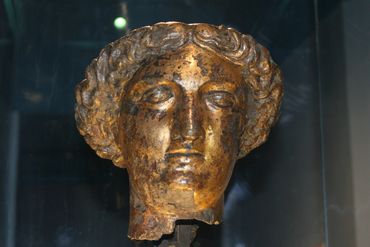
(11,180)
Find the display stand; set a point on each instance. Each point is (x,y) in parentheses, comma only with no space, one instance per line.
(183,236)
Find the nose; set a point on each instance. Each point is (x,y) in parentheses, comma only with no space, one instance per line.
(190,119)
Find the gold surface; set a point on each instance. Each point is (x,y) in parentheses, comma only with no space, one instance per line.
(177,105)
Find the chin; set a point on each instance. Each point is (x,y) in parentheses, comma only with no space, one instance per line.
(182,201)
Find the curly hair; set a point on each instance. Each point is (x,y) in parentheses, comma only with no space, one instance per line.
(99,94)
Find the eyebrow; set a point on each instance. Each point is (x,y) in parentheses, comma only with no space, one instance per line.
(143,85)
(219,85)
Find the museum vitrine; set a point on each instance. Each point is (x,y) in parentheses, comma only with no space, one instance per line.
(294,190)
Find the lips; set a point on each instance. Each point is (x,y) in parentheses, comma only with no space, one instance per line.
(183,153)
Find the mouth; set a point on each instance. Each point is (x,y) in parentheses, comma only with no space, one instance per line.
(183,153)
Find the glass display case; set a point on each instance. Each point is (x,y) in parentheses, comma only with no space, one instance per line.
(306,186)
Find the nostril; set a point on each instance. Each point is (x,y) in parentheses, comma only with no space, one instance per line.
(176,135)
(188,146)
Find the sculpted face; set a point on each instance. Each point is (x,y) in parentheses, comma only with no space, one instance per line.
(176,104)
(179,128)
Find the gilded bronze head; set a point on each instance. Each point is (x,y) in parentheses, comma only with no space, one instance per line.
(177,105)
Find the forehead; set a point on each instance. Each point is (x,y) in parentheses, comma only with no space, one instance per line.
(190,67)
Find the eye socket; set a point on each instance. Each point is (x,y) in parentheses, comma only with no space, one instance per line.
(157,95)
(221,99)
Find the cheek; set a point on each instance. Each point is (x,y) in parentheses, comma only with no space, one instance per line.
(146,136)
(223,136)
(221,148)
(231,134)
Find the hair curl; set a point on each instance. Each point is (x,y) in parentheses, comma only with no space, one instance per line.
(99,94)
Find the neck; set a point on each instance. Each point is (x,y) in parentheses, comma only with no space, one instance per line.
(146,223)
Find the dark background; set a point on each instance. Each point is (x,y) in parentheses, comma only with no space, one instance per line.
(294,191)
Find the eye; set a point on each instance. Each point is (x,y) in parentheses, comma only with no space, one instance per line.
(157,95)
(221,99)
